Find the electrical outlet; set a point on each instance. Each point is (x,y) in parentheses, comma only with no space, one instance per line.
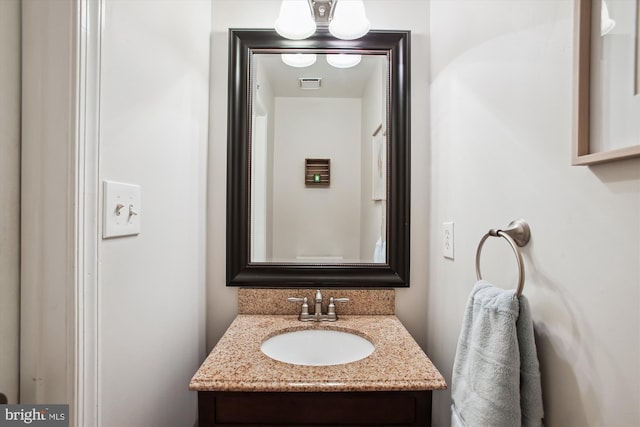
(447,239)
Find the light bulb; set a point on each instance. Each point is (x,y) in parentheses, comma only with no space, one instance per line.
(349,20)
(295,21)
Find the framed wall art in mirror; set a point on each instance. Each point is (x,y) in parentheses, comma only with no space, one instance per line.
(607,76)
(318,98)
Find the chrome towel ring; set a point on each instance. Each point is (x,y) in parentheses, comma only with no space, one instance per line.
(517,234)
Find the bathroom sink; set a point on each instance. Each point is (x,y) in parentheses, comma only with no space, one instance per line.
(317,347)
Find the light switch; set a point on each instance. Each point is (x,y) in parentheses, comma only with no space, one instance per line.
(122,209)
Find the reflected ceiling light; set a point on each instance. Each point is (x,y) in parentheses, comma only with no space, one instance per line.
(343,60)
(606,23)
(299,60)
(298,19)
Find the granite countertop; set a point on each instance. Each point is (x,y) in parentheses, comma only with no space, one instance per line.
(237,363)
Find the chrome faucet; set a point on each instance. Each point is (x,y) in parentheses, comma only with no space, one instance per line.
(317,316)
(318,310)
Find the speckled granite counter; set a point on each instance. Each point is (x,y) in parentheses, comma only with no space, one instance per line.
(237,364)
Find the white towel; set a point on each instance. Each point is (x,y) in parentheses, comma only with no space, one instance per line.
(455,418)
(496,376)
(380,251)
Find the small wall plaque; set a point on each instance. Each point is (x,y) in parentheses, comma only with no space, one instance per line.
(317,172)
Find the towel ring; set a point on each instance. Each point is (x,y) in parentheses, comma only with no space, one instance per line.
(517,234)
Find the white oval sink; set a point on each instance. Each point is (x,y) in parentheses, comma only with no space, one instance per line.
(317,347)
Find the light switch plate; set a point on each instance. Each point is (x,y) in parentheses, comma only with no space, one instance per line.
(447,239)
(122,209)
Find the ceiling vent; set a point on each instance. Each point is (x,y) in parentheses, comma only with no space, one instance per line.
(309,83)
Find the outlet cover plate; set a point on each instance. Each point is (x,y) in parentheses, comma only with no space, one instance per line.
(447,239)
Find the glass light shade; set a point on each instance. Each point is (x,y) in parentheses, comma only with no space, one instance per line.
(295,21)
(349,20)
(299,60)
(606,23)
(343,60)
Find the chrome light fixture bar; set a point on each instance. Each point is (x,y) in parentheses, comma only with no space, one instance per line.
(298,19)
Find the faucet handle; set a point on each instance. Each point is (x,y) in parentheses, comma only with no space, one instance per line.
(331,309)
(305,305)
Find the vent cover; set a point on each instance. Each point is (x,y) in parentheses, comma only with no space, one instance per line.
(309,83)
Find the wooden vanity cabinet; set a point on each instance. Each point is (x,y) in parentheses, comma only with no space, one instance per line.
(300,409)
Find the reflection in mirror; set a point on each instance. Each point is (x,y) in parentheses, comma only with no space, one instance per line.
(318,160)
(324,109)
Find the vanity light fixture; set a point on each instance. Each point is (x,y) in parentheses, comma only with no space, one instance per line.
(349,21)
(299,19)
(295,21)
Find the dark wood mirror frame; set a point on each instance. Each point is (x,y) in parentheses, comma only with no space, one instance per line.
(240,271)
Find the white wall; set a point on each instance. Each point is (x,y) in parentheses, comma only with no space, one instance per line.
(153,122)
(316,221)
(222,301)
(9,197)
(153,132)
(500,145)
(48,216)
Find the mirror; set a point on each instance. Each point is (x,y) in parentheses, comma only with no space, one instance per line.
(318,161)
